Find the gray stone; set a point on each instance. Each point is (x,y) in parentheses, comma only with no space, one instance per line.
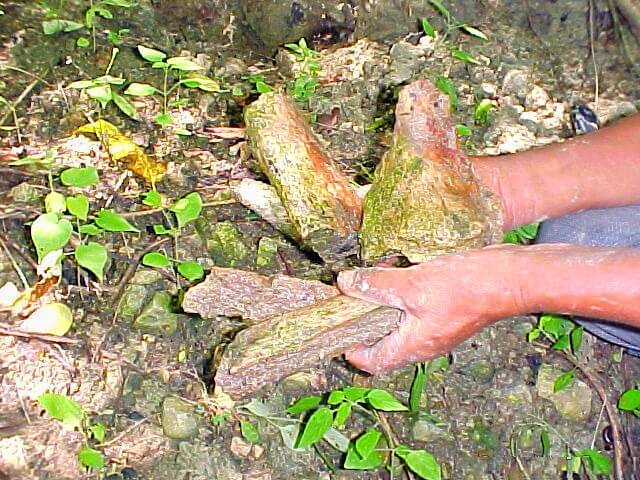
(531,121)
(178,420)
(536,98)
(488,90)
(226,246)
(573,402)
(611,110)
(405,62)
(157,317)
(516,82)
(267,257)
(426,431)
(133,300)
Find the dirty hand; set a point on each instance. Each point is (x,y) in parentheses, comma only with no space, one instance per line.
(445,300)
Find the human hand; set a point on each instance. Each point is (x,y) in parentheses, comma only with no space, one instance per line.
(445,300)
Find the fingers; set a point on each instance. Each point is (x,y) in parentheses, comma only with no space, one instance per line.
(385,286)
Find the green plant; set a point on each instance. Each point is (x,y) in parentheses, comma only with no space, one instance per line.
(325,416)
(102,89)
(482,110)
(96,9)
(425,371)
(305,81)
(185,210)
(564,335)
(630,401)
(451,25)
(70,413)
(171,65)
(522,235)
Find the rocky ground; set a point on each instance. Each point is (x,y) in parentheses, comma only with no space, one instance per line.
(143,367)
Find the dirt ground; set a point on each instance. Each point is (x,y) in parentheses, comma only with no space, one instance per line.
(138,364)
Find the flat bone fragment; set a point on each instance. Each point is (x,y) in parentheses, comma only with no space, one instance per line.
(252,296)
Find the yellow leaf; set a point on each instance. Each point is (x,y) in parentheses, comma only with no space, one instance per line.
(122,149)
(51,319)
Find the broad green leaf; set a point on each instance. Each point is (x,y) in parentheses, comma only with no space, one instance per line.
(82,84)
(315,428)
(55,202)
(262,87)
(152,198)
(93,257)
(481,111)
(446,86)
(113,222)
(545,442)
(141,90)
(163,119)
(304,404)
(599,464)
(474,31)
(441,8)
(156,259)
(422,463)
(464,56)
(90,229)
(289,434)
(367,443)
(563,381)
(119,3)
(555,325)
(353,461)
(101,93)
(50,233)
(438,364)
(125,106)
(62,408)
(187,209)
(576,339)
(51,27)
(533,334)
(184,64)
(98,431)
(162,230)
(427,28)
(562,343)
(355,394)
(111,80)
(50,319)
(78,206)
(383,400)
(415,395)
(335,397)
(630,400)
(151,55)
(342,414)
(462,130)
(203,83)
(249,432)
(79,177)
(91,458)
(191,270)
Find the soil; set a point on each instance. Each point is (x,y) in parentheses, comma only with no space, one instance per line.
(143,367)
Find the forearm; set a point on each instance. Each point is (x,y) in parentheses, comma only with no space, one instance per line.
(587,281)
(596,170)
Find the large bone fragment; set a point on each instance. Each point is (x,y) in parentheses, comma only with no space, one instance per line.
(324,209)
(425,200)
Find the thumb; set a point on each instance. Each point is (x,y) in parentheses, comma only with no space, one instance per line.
(384,286)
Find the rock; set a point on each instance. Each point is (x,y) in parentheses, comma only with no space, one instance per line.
(482,370)
(239,447)
(226,246)
(572,403)
(488,90)
(133,299)
(405,62)
(178,420)
(536,98)
(516,82)
(426,431)
(267,257)
(611,110)
(508,138)
(531,121)
(157,318)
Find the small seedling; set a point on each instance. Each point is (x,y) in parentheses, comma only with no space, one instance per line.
(171,65)
(521,235)
(306,81)
(102,89)
(482,110)
(630,401)
(70,413)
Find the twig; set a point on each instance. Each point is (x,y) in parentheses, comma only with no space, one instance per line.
(392,437)
(123,433)
(19,100)
(614,420)
(9,331)
(15,265)
(593,55)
